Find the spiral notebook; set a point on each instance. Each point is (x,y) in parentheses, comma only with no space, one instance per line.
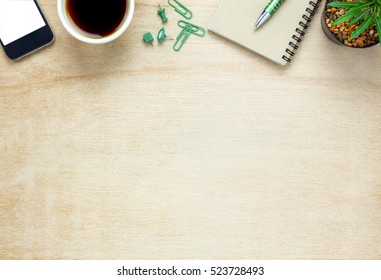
(277,39)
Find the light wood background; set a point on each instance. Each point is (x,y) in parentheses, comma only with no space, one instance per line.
(128,151)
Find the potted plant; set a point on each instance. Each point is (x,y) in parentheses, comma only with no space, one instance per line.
(353,23)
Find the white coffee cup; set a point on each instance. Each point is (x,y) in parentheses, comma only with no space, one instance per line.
(76,33)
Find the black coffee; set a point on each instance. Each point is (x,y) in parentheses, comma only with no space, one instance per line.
(97,18)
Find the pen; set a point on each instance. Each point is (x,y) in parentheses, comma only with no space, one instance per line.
(269,11)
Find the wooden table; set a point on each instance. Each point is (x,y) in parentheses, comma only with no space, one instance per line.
(128,151)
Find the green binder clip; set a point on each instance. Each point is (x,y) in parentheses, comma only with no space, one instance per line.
(187,30)
(181,9)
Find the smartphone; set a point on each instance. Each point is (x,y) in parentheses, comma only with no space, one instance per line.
(23,28)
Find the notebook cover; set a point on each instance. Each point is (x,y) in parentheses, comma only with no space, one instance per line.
(235,19)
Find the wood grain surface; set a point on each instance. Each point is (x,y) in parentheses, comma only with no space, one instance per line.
(128,151)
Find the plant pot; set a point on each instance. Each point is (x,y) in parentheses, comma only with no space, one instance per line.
(331,36)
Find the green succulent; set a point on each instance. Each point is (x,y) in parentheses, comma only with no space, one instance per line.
(366,12)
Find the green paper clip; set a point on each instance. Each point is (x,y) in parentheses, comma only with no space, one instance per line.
(162,14)
(196,30)
(181,9)
(161,35)
(181,39)
(187,30)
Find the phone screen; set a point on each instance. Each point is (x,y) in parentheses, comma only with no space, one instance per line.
(18,18)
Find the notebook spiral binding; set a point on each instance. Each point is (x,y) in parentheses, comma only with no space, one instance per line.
(300,31)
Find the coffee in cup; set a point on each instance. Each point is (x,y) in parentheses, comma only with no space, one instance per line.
(96,21)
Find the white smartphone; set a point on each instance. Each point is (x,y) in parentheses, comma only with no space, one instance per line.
(23,28)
